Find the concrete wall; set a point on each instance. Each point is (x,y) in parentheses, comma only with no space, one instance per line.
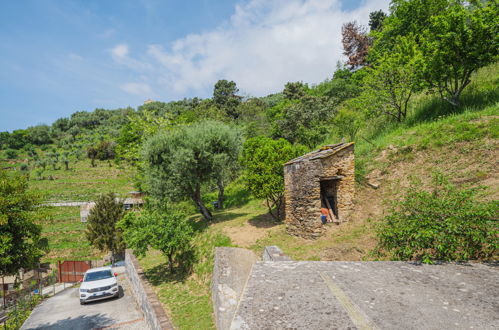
(148,302)
(230,274)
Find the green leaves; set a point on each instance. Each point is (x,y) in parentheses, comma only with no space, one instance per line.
(20,243)
(263,159)
(101,224)
(446,224)
(164,229)
(178,163)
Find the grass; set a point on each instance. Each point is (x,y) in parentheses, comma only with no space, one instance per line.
(66,235)
(83,182)
(433,123)
(186,295)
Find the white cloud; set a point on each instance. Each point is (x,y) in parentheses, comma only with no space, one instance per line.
(264,45)
(75,57)
(140,89)
(120,51)
(120,54)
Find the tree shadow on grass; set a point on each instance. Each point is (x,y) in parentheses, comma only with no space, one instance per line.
(160,274)
(471,100)
(226,216)
(263,221)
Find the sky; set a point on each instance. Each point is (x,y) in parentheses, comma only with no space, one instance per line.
(58,57)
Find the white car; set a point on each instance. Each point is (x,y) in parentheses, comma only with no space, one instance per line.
(98,283)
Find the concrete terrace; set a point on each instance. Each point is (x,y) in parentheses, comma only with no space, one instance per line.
(365,295)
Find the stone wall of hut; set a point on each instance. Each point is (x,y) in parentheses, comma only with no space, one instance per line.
(303,193)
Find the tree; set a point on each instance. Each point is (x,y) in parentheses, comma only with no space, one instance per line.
(101,229)
(446,224)
(178,163)
(253,117)
(226,98)
(355,43)
(92,155)
(140,126)
(263,160)
(165,229)
(305,122)
(65,159)
(458,41)
(349,121)
(21,245)
(376,19)
(294,90)
(393,79)
(11,154)
(39,134)
(456,38)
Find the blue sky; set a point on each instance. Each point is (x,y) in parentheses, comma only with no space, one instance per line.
(58,57)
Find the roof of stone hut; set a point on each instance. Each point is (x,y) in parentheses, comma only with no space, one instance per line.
(323,152)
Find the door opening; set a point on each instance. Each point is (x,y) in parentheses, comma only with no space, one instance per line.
(329,197)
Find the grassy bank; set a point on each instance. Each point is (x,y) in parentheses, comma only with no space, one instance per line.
(66,235)
(186,296)
(82,182)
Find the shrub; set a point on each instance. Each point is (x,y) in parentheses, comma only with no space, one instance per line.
(165,229)
(11,154)
(447,224)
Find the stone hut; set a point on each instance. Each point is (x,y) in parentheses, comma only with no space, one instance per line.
(320,179)
(134,201)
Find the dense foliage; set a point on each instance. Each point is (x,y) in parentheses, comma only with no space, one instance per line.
(263,160)
(164,229)
(179,163)
(21,245)
(101,228)
(444,224)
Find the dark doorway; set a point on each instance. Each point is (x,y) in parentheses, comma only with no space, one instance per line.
(329,196)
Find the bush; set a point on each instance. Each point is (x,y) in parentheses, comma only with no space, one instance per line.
(165,229)
(447,224)
(11,154)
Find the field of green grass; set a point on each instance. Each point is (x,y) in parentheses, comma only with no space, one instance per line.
(83,182)
(66,235)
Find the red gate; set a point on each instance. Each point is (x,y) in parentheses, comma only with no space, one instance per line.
(72,271)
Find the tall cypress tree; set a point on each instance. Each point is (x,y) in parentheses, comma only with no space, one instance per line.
(101,226)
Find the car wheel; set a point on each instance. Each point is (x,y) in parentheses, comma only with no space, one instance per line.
(82,302)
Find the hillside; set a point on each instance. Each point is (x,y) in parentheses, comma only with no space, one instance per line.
(462,145)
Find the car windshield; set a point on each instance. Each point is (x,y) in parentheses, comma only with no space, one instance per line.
(100,275)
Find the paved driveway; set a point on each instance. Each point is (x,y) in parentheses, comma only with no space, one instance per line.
(63,311)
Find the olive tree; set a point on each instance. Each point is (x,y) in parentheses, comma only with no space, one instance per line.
(178,163)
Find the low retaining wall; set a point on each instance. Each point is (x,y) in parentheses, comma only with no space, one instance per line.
(153,312)
(230,274)
(274,253)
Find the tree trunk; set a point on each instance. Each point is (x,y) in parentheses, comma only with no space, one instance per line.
(67,165)
(221,188)
(92,162)
(170,262)
(269,206)
(196,197)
